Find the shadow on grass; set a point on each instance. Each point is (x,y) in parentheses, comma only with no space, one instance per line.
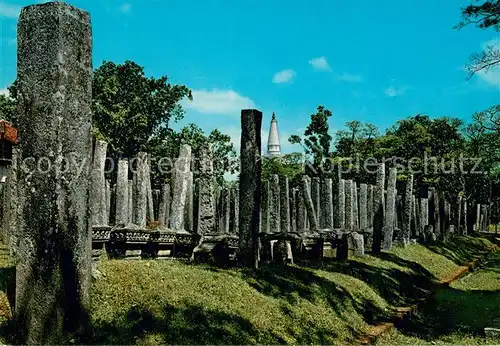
(187,325)
(458,311)
(453,311)
(463,249)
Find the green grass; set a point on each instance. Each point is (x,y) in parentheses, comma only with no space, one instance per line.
(328,302)
(457,314)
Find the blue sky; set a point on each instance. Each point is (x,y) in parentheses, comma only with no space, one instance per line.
(376,61)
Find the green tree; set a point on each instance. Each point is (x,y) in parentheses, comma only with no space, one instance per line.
(289,165)
(167,149)
(130,109)
(8,109)
(316,140)
(485,15)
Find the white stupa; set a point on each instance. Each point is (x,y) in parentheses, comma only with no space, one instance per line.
(273,143)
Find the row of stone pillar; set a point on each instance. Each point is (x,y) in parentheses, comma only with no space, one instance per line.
(216,209)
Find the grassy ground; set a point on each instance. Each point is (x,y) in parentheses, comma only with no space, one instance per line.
(151,302)
(457,314)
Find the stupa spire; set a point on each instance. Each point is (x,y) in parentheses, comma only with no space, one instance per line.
(273,143)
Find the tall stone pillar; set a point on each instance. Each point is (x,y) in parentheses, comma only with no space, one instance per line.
(306,195)
(250,185)
(189,208)
(390,210)
(301,212)
(150,214)
(164,212)
(181,186)
(131,201)
(369,207)
(315,195)
(98,185)
(54,76)
(341,203)
(355,208)
(140,190)
(206,192)
(408,210)
(293,210)
(235,211)
(327,204)
(284,205)
(122,199)
(349,205)
(363,212)
(378,209)
(274,205)
(108,201)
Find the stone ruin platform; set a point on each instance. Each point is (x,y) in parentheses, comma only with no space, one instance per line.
(133,242)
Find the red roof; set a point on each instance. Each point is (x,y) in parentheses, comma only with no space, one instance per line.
(8,132)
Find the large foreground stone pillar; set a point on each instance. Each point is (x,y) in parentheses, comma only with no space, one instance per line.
(54,74)
(250,184)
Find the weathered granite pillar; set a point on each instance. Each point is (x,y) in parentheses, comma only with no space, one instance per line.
(327,204)
(477,224)
(54,79)
(108,201)
(306,195)
(150,214)
(285,226)
(235,211)
(437,213)
(315,195)
(189,208)
(140,190)
(98,185)
(408,210)
(424,214)
(181,186)
(224,211)
(363,201)
(378,209)
(349,205)
(459,222)
(130,201)
(466,221)
(337,177)
(274,205)
(301,212)
(355,208)
(250,185)
(414,217)
(156,203)
(390,210)
(12,205)
(293,210)
(369,207)
(164,205)
(206,197)
(265,212)
(341,203)
(122,198)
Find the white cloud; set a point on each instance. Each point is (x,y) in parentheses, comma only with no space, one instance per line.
(350,78)
(285,76)
(223,102)
(320,64)
(8,10)
(395,91)
(491,75)
(4,91)
(125,7)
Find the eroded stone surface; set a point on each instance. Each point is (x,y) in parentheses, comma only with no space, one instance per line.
(53,276)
